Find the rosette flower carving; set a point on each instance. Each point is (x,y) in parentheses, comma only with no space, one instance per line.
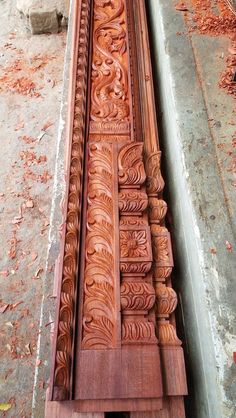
(133,244)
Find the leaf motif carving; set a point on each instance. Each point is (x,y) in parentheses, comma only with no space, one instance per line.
(62,373)
(132,202)
(142,331)
(99,276)
(155,182)
(130,164)
(167,334)
(137,296)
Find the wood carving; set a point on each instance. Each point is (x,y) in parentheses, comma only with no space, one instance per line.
(132,203)
(65,331)
(131,168)
(155,182)
(116,346)
(110,108)
(99,303)
(137,296)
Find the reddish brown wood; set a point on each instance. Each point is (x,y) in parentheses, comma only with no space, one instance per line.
(116,347)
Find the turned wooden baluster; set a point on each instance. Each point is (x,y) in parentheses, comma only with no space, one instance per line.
(166,298)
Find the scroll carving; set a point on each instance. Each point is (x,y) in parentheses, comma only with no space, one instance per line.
(110,109)
(99,303)
(65,332)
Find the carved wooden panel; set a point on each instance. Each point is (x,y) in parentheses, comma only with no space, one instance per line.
(99,277)
(116,346)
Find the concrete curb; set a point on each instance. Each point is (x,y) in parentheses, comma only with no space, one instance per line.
(48,303)
(202,218)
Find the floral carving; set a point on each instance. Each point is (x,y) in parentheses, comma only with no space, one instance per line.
(131,167)
(109,94)
(133,244)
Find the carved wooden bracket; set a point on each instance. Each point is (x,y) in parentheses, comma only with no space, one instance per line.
(115,340)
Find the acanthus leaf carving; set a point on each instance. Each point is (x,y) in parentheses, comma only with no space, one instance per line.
(135,267)
(130,165)
(138,332)
(132,202)
(167,334)
(155,182)
(99,274)
(161,245)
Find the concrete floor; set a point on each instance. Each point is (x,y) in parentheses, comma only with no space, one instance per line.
(30,98)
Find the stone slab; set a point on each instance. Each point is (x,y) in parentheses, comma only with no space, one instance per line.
(43,21)
(44,17)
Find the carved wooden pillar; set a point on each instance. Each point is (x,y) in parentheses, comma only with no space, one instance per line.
(137,292)
(174,376)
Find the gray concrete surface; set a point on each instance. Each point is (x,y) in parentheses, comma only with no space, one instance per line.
(198,127)
(30,98)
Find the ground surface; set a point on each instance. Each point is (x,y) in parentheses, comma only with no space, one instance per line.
(30,98)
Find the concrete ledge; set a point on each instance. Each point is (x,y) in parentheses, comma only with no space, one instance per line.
(203,218)
(48,303)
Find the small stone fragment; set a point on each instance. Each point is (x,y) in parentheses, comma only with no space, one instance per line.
(29,204)
(43,21)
